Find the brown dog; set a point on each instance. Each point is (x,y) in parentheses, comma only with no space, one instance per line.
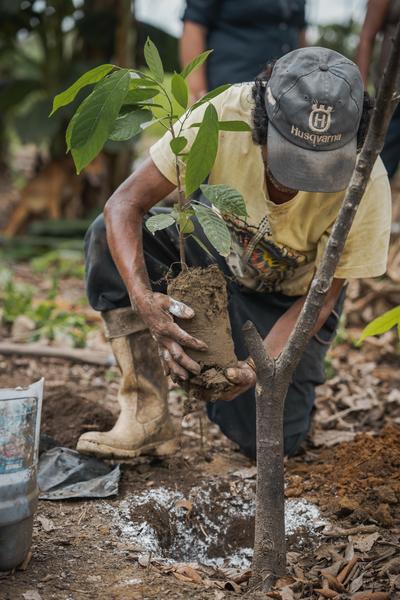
(55,188)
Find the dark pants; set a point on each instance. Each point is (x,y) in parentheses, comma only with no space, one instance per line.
(391,150)
(237,419)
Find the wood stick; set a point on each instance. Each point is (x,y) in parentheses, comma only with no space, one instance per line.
(90,357)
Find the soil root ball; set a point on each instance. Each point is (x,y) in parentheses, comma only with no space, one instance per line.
(205,291)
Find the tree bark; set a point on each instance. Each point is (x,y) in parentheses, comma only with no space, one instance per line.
(269,541)
(274,376)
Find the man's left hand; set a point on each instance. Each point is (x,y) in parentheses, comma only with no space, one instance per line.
(242,376)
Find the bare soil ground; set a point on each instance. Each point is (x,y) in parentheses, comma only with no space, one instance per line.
(343,489)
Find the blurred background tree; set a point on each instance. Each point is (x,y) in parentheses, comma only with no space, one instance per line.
(47,44)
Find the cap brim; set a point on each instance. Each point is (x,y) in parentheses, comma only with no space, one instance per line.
(310,170)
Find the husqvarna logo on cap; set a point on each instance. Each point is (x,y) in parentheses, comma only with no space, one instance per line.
(320,118)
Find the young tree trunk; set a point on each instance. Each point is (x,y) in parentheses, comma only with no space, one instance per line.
(274,376)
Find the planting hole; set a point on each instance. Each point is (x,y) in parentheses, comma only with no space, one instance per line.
(211,525)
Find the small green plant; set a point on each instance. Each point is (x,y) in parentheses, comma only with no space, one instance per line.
(389,320)
(50,322)
(122,103)
(16,299)
(66,263)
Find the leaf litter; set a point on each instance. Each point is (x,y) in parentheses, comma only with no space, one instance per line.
(352,484)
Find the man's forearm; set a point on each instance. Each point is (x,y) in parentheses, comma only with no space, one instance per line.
(277,338)
(124,222)
(124,213)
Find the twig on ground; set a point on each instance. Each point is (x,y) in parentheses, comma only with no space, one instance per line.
(91,357)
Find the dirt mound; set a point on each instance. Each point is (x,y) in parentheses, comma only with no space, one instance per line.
(66,415)
(359,480)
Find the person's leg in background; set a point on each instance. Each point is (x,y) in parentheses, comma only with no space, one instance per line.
(391,149)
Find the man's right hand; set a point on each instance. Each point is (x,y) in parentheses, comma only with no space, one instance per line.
(157,311)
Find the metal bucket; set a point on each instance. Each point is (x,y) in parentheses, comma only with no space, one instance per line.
(20,411)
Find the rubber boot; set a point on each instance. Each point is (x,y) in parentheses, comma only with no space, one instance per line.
(144,425)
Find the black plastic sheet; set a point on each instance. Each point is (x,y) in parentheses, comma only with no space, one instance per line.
(64,473)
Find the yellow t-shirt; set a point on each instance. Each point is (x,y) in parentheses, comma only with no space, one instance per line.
(277,247)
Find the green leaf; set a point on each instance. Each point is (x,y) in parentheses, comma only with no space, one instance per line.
(179,90)
(225,198)
(203,152)
(96,116)
(381,324)
(140,95)
(141,81)
(159,222)
(213,94)
(195,63)
(68,133)
(185,222)
(178,144)
(202,246)
(153,60)
(214,229)
(239,126)
(92,76)
(234,126)
(128,125)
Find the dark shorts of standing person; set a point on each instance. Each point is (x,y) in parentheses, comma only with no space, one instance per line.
(245,35)
(237,418)
(391,150)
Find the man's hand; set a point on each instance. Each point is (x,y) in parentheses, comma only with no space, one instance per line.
(242,376)
(157,311)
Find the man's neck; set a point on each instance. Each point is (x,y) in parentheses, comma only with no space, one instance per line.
(278,196)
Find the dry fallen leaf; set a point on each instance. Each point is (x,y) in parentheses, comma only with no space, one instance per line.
(144,560)
(326,592)
(356,584)
(287,593)
(185,572)
(32,595)
(47,524)
(186,504)
(246,473)
(283,582)
(333,582)
(231,586)
(371,596)
(364,543)
(331,437)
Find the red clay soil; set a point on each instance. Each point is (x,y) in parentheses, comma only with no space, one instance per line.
(359,480)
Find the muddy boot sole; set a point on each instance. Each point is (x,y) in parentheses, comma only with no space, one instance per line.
(159,449)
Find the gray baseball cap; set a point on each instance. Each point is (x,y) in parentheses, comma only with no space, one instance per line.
(314,102)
